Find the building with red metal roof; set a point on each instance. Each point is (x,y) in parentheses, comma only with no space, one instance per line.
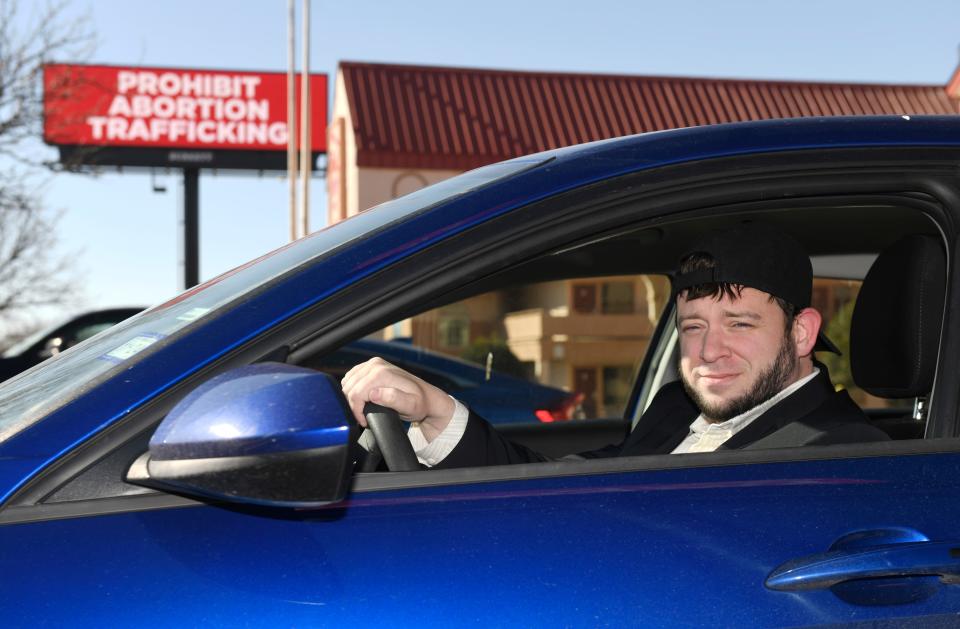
(397,128)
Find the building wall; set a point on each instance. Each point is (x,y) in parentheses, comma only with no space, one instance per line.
(376,185)
(352,189)
(341,158)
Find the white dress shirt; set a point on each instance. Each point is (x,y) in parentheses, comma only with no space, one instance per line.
(707,436)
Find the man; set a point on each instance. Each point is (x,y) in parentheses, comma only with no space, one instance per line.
(748,377)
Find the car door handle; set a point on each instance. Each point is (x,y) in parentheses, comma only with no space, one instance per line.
(825,570)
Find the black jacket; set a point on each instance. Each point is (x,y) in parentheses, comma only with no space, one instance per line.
(815,414)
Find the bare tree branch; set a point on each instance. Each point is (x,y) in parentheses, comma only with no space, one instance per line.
(30,273)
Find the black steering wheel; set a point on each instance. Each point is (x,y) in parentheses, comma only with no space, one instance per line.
(392,441)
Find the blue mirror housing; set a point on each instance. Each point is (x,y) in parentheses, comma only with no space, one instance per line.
(266,434)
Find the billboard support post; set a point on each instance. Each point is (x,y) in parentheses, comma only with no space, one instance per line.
(191,227)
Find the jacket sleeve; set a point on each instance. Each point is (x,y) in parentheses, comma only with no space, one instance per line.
(669,415)
(481,444)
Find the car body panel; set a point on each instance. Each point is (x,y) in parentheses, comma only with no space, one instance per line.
(398,557)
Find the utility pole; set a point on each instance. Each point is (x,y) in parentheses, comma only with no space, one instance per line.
(305,152)
(292,117)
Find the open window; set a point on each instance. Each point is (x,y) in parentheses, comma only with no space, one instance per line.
(584,333)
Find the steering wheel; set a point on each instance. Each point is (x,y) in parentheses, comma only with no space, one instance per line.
(392,441)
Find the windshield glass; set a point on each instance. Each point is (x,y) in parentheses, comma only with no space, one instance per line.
(26,343)
(29,396)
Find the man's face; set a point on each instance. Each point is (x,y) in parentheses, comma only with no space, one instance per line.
(734,353)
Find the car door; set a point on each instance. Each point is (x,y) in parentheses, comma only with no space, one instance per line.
(686,540)
(596,543)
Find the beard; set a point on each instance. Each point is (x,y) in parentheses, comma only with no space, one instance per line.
(768,383)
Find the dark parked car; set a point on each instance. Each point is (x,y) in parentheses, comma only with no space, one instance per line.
(498,397)
(52,340)
(183,468)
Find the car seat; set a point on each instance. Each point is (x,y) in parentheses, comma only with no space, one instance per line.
(895,330)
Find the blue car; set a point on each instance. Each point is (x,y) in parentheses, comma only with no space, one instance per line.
(185,468)
(500,398)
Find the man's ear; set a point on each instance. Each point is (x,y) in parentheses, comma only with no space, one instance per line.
(806,326)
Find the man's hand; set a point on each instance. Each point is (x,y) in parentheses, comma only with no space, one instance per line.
(415,400)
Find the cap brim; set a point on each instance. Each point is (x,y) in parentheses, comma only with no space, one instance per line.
(826,345)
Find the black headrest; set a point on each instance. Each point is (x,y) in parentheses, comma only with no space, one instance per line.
(895,330)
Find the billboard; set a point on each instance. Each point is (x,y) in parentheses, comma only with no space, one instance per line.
(143,116)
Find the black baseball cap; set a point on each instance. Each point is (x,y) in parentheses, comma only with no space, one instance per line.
(757,256)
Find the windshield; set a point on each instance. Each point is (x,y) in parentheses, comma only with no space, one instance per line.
(33,394)
(26,343)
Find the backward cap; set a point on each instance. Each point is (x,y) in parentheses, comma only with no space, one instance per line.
(757,256)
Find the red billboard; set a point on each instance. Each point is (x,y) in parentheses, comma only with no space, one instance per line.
(136,115)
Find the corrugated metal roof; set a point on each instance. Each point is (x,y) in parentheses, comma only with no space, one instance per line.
(460,118)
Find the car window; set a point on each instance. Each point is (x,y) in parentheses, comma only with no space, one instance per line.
(541,352)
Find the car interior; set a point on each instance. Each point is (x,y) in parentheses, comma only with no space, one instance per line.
(893,248)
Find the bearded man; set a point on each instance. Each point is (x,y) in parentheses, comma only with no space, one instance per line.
(748,376)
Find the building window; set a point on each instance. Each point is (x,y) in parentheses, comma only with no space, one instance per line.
(454,332)
(617,298)
(584,298)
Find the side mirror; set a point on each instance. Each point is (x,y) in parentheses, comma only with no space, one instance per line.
(267,434)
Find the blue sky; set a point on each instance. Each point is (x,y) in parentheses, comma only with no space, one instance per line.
(123,238)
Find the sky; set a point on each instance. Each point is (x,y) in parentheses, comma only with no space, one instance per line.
(123,239)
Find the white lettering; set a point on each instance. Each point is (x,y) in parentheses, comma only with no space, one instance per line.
(158,128)
(151,106)
(186,107)
(191,84)
(97,123)
(169,84)
(125,80)
(142,106)
(258,110)
(250,84)
(207,131)
(138,129)
(234,109)
(221,86)
(178,128)
(120,106)
(148,83)
(116,128)
(206,104)
(164,107)
(278,133)
(227,133)
(256,133)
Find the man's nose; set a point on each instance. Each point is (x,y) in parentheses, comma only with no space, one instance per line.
(714,346)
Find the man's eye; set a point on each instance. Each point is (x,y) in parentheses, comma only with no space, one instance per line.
(742,324)
(687,329)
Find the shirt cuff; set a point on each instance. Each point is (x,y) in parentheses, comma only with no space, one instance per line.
(437,450)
